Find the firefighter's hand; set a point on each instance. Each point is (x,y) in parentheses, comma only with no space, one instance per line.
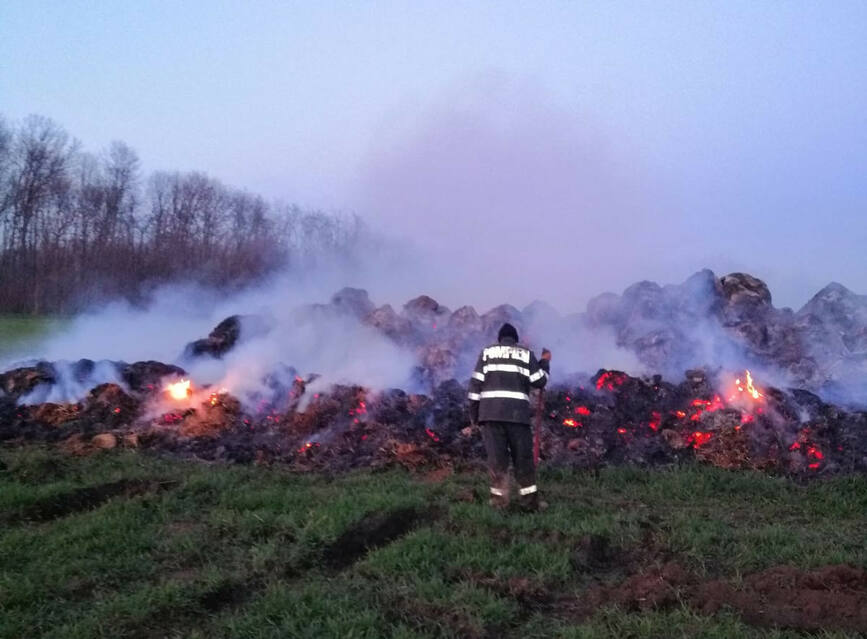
(545,360)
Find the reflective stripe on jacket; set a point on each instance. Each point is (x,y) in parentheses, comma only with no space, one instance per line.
(501,382)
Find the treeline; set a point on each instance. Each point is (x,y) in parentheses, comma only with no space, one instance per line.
(78,228)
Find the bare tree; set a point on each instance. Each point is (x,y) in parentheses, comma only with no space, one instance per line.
(77,228)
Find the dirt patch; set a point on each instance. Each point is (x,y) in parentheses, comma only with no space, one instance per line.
(654,589)
(373,531)
(228,595)
(828,598)
(83,499)
(593,553)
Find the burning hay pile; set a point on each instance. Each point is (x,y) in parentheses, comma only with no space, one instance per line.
(721,415)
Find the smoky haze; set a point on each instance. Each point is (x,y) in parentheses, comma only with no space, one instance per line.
(500,194)
(507,199)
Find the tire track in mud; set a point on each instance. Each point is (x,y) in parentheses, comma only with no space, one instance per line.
(374,530)
(83,499)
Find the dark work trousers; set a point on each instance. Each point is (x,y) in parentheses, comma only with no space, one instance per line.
(505,441)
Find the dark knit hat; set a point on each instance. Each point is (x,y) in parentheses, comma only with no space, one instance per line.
(507,330)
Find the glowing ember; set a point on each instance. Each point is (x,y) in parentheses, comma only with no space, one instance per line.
(307,446)
(361,409)
(655,420)
(814,452)
(709,405)
(214,398)
(582,410)
(179,390)
(610,380)
(698,439)
(702,406)
(431,434)
(571,423)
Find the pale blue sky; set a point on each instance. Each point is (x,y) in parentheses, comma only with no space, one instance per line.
(643,139)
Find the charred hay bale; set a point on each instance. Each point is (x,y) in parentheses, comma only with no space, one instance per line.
(833,328)
(104,441)
(771,335)
(655,322)
(605,310)
(8,412)
(587,451)
(809,403)
(741,289)
(352,301)
(426,314)
(412,455)
(438,362)
(633,398)
(449,414)
(465,321)
(385,320)
(698,383)
(211,418)
(840,312)
(391,407)
(496,317)
(719,439)
(147,377)
(658,347)
(281,390)
(111,405)
(562,403)
(43,422)
(55,415)
(339,407)
(220,340)
(20,381)
(645,300)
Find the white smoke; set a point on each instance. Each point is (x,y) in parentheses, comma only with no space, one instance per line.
(70,384)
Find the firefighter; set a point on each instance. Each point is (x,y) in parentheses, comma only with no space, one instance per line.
(499,397)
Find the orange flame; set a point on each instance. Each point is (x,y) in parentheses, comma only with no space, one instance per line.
(748,387)
(180,390)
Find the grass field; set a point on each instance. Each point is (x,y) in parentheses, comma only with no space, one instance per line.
(125,545)
(16,331)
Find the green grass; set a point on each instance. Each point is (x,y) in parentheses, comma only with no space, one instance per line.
(231,551)
(17,331)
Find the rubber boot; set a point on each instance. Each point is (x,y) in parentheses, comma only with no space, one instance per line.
(501,501)
(532,504)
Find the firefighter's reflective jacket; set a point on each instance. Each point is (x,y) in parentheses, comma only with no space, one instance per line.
(500,384)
